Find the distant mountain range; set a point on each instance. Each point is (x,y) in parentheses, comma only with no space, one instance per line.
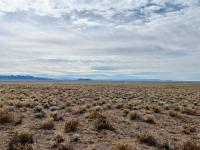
(33,78)
(21,78)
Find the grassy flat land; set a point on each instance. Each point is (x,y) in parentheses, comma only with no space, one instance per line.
(99,116)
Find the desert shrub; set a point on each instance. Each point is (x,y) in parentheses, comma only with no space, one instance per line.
(79,110)
(166,107)
(95,115)
(47,124)
(119,106)
(46,105)
(156,109)
(97,108)
(18,104)
(147,138)
(187,129)
(102,123)
(177,108)
(56,116)
(71,125)
(22,140)
(189,111)
(123,146)
(134,116)
(175,114)
(153,107)
(66,146)
(59,138)
(190,145)
(6,116)
(38,109)
(149,119)
(126,112)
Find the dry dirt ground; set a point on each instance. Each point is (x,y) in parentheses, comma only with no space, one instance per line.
(99,116)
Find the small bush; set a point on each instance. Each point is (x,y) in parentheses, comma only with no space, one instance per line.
(38,109)
(123,146)
(22,140)
(187,129)
(156,109)
(134,116)
(190,145)
(56,116)
(126,112)
(95,115)
(66,146)
(102,123)
(5,116)
(59,138)
(153,107)
(189,111)
(150,119)
(48,124)
(147,138)
(175,114)
(71,125)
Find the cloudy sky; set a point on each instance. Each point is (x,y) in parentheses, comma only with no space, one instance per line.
(107,39)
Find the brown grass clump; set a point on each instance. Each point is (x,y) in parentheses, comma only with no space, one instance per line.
(189,111)
(123,146)
(134,116)
(102,123)
(95,115)
(48,124)
(66,146)
(153,107)
(23,140)
(175,114)
(147,138)
(190,145)
(6,116)
(126,112)
(71,125)
(150,119)
(38,109)
(56,116)
(187,129)
(59,138)
(156,109)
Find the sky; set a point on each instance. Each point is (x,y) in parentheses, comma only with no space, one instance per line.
(101,39)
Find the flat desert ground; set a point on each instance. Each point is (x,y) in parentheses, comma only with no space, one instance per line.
(99,116)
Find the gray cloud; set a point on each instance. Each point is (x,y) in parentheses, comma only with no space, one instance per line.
(101,38)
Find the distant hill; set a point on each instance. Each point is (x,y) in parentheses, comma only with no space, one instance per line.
(84,80)
(22,78)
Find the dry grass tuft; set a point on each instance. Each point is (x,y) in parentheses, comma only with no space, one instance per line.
(134,116)
(175,114)
(6,116)
(150,119)
(47,124)
(190,145)
(66,146)
(123,146)
(187,129)
(23,140)
(71,125)
(189,111)
(95,115)
(147,138)
(102,123)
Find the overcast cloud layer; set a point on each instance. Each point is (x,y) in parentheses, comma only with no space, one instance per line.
(117,39)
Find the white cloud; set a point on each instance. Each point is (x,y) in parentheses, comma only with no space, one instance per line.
(108,37)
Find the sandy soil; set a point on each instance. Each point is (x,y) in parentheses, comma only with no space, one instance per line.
(106,116)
